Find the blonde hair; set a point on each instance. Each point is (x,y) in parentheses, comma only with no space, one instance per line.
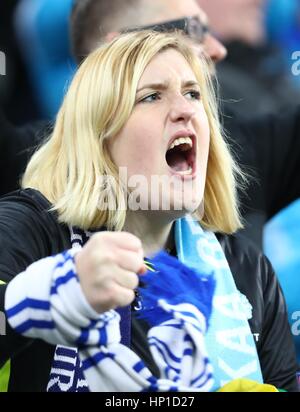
(67,169)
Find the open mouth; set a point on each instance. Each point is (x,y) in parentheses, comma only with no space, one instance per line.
(181,156)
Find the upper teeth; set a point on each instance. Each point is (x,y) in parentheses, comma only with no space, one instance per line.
(181,140)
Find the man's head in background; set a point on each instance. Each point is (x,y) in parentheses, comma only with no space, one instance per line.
(241,20)
(96,21)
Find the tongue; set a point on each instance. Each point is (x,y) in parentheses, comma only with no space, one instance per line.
(177,161)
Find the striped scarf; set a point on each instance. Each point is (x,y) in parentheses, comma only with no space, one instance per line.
(176,302)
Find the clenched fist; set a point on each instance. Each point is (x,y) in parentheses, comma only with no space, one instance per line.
(107,268)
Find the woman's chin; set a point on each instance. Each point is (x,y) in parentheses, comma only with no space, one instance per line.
(188,204)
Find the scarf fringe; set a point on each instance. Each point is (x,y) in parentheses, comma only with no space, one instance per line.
(174,283)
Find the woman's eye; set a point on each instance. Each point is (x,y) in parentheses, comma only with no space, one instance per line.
(193,94)
(151,98)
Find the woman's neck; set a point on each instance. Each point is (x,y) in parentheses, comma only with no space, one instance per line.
(154,231)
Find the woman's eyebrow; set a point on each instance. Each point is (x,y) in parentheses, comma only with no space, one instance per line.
(157,86)
(165,85)
(190,83)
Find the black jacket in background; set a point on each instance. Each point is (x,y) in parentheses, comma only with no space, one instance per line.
(255,80)
(28,232)
(268,150)
(17,145)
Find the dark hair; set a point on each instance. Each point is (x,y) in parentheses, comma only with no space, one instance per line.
(91,20)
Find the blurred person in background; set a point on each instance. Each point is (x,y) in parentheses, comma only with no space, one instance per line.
(16,96)
(19,111)
(282,233)
(254,76)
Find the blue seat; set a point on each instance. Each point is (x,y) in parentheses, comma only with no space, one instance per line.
(281,243)
(43,31)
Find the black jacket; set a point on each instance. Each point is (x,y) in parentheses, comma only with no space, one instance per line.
(255,81)
(28,232)
(268,150)
(17,145)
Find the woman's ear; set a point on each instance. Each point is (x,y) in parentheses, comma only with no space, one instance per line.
(111,35)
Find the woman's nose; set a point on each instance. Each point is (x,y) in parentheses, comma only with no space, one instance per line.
(181,109)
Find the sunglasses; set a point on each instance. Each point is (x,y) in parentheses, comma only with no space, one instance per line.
(191,26)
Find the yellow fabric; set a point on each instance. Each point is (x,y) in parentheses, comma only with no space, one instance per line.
(247,385)
(4,377)
(5,371)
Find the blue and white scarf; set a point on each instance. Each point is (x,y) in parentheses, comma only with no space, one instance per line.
(179,321)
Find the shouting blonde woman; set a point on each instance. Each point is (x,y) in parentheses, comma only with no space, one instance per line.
(119,265)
